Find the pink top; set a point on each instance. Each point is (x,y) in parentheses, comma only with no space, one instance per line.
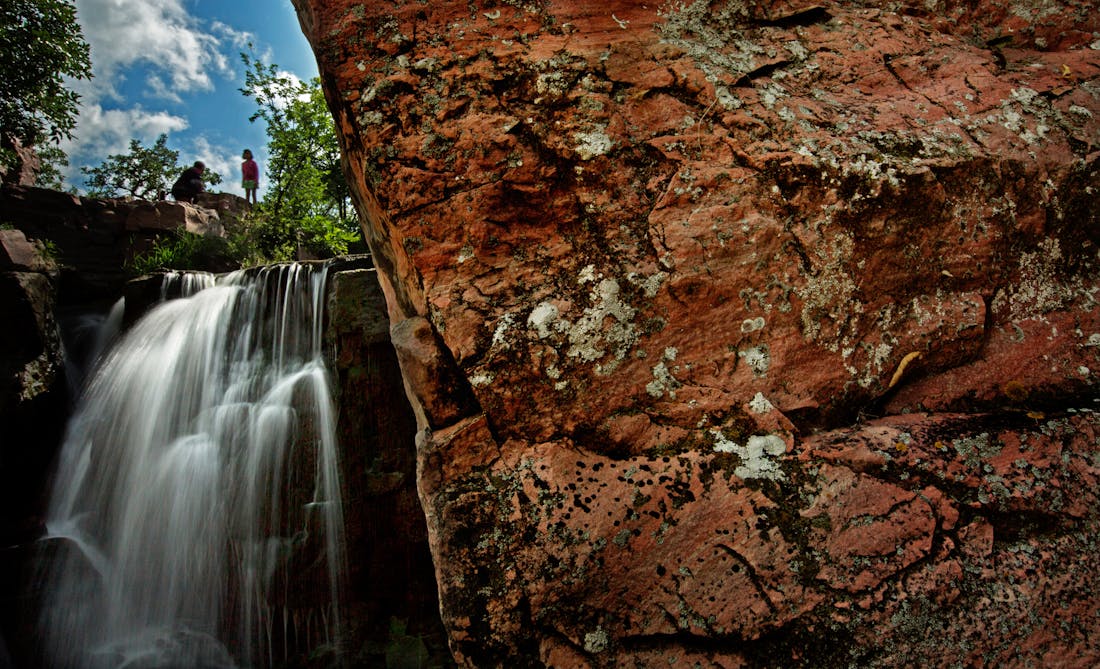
(250,171)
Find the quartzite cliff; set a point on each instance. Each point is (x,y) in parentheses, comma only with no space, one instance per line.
(741,333)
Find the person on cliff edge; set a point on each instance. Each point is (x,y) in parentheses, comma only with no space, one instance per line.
(250,176)
(189,185)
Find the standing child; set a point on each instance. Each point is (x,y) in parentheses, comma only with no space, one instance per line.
(250,177)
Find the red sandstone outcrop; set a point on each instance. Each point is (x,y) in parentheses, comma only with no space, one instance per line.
(25,163)
(741,333)
(95,238)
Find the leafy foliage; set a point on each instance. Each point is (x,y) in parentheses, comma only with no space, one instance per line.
(40,46)
(306,207)
(307,202)
(185,251)
(53,161)
(405,650)
(142,173)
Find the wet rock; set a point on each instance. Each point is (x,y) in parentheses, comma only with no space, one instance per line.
(391,577)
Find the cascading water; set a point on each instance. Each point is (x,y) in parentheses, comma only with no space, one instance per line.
(196,518)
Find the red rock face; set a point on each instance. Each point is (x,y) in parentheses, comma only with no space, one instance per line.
(742,332)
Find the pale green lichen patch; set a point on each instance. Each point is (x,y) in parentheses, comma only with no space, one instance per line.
(829,293)
(545,320)
(481,380)
(711,37)
(758,358)
(663,380)
(596,641)
(874,357)
(592,143)
(976,449)
(589,340)
(760,405)
(875,172)
(1041,288)
(757,455)
(500,335)
(34,379)
(752,325)
(1024,113)
(604,333)
(529,6)
(649,285)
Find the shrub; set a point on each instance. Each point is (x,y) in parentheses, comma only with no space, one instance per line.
(186,251)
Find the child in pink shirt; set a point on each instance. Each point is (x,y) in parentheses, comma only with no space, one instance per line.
(250,176)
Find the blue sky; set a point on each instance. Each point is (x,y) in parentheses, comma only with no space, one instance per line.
(173,66)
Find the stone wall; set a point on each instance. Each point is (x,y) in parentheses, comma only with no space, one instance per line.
(34,402)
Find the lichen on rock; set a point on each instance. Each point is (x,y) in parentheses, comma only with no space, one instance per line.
(731,292)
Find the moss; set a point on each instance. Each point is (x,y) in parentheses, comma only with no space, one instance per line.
(1015,391)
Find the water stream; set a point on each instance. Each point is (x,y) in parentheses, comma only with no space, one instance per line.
(195,519)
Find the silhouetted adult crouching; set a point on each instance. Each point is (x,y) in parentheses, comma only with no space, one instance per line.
(189,185)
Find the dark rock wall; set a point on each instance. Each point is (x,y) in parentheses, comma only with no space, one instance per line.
(34,402)
(391,573)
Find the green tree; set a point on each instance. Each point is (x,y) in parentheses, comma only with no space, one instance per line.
(53,160)
(306,202)
(142,173)
(41,46)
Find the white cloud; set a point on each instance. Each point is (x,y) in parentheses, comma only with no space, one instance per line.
(159,34)
(101,132)
(239,39)
(110,130)
(159,45)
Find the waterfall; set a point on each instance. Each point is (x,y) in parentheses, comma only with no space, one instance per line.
(84,336)
(195,519)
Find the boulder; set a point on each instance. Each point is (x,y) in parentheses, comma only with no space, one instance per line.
(740,333)
(19,254)
(226,204)
(164,215)
(391,576)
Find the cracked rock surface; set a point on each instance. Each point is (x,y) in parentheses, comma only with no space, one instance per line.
(741,333)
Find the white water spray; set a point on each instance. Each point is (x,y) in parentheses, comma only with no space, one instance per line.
(196,517)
